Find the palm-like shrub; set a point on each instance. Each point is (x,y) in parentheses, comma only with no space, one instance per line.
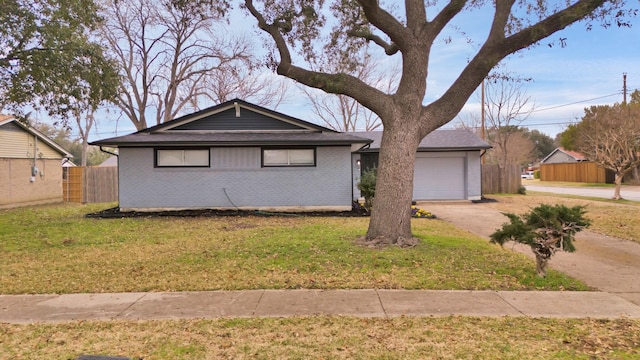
(546,229)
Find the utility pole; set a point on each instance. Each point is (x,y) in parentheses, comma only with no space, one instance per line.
(482,116)
(624,88)
(482,110)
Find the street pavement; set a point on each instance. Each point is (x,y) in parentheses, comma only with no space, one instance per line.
(627,192)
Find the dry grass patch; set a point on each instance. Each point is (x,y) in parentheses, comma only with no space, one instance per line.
(607,217)
(329,337)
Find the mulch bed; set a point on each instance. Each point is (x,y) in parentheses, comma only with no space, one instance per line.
(114,213)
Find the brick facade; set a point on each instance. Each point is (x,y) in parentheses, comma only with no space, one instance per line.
(17,189)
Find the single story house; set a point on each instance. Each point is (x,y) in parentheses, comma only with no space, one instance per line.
(30,165)
(238,155)
(561,155)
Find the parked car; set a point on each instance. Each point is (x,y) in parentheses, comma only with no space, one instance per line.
(527,175)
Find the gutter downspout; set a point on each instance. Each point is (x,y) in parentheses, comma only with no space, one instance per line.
(108,152)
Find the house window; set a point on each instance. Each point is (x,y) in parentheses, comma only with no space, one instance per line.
(182,157)
(288,157)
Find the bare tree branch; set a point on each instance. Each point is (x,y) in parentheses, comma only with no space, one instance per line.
(167,51)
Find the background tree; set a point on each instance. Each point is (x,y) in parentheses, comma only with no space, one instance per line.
(48,60)
(507,105)
(173,54)
(406,31)
(63,137)
(543,144)
(515,146)
(567,138)
(610,136)
(230,82)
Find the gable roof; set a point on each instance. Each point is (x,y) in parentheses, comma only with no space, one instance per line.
(7,119)
(572,154)
(229,116)
(439,140)
(234,123)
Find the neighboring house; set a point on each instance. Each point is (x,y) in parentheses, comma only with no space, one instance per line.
(572,166)
(239,155)
(447,167)
(561,155)
(30,165)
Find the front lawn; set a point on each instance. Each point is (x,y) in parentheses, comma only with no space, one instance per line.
(55,249)
(323,337)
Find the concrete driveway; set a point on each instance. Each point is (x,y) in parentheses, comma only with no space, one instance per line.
(628,192)
(603,262)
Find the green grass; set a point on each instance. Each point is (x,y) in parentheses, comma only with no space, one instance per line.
(322,337)
(54,249)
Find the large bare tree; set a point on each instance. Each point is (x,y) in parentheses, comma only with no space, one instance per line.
(409,31)
(506,105)
(516,149)
(170,52)
(610,136)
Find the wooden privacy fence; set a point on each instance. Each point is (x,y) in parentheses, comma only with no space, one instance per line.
(501,180)
(89,184)
(584,171)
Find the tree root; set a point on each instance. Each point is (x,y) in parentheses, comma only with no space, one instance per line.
(383,241)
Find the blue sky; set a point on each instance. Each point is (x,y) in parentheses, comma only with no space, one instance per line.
(587,71)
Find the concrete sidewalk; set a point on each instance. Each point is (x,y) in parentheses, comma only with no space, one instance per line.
(22,309)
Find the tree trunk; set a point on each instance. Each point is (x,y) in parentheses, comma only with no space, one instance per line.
(541,266)
(394,188)
(85,147)
(618,182)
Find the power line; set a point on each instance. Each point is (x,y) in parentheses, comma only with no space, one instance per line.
(574,103)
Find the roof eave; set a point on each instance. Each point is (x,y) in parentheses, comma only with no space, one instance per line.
(227,143)
(433,149)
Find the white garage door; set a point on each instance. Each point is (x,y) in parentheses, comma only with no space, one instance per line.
(439,179)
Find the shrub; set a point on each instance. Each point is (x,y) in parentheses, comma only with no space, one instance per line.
(522,190)
(367,187)
(546,229)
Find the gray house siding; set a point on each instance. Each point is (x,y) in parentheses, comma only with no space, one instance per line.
(474,175)
(236,180)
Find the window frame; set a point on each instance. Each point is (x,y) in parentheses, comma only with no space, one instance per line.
(288,148)
(156,157)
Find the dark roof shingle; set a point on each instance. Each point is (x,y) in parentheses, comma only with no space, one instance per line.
(449,139)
